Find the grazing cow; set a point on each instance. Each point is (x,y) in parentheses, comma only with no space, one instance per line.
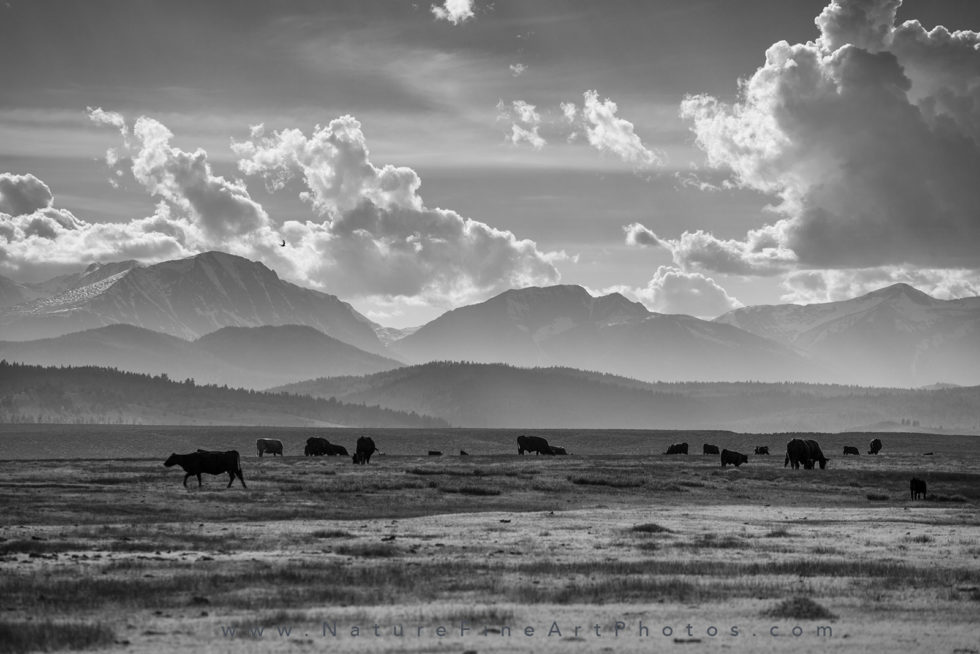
(677,448)
(917,488)
(365,448)
(929,454)
(336,450)
(316,446)
(534,444)
(734,458)
(270,445)
(463,453)
(797,453)
(850,449)
(435,453)
(212,463)
(710,449)
(875,446)
(762,449)
(816,455)
(555,449)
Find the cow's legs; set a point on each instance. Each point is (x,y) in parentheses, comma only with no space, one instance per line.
(231,478)
(199,484)
(241,478)
(185,479)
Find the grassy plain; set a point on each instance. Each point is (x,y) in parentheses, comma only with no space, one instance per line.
(114,554)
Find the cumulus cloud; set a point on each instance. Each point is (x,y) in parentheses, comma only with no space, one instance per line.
(640,236)
(607,132)
(672,290)
(760,254)
(23,194)
(518,69)
(369,234)
(525,122)
(815,286)
(454,11)
(869,138)
(374,235)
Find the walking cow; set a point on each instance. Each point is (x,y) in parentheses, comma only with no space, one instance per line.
(212,463)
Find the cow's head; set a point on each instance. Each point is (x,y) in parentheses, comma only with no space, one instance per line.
(171,460)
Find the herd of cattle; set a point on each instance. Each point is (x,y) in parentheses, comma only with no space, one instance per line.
(799,452)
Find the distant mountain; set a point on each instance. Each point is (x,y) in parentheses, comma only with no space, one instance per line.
(500,396)
(895,336)
(12,293)
(186,298)
(103,395)
(566,326)
(240,357)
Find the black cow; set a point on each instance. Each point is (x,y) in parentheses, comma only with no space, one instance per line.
(874,446)
(212,463)
(762,449)
(710,449)
(677,448)
(365,448)
(435,453)
(315,446)
(734,458)
(336,450)
(917,487)
(534,444)
(463,453)
(797,453)
(816,455)
(271,445)
(850,449)
(555,449)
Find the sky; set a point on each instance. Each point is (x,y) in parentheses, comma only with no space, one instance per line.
(694,155)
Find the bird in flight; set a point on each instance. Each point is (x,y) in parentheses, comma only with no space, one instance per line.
(282,244)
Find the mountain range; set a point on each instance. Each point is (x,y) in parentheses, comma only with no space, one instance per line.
(501,396)
(178,310)
(187,298)
(240,357)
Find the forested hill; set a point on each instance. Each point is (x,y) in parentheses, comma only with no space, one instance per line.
(106,395)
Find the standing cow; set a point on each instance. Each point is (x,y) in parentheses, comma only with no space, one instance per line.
(707,448)
(270,445)
(212,463)
(874,446)
(534,444)
(365,448)
(850,449)
(917,488)
(762,450)
(816,455)
(734,458)
(677,448)
(797,454)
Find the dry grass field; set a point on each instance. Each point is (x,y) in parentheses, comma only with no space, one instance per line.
(637,550)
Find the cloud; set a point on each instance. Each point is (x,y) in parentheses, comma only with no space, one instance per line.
(525,123)
(374,235)
(816,286)
(640,236)
(23,194)
(221,208)
(454,11)
(518,69)
(869,138)
(672,290)
(760,254)
(606,132)
(369,235)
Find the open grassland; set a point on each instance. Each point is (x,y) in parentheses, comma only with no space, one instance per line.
(115,554)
